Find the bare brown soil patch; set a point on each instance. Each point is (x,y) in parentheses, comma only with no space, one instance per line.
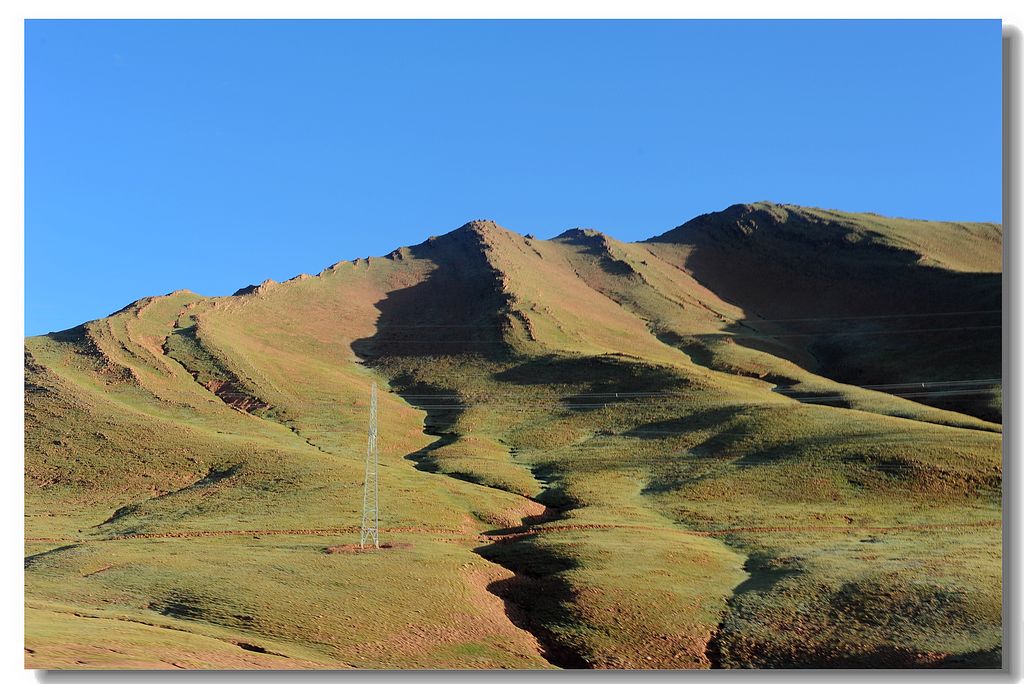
(356,548)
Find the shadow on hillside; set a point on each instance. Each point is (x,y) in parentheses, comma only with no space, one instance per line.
(854,625)
(455,310)
(536,598)
(708,420)
(851,310)
(595,381)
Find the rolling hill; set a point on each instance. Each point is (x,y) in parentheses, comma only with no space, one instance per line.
(770,437)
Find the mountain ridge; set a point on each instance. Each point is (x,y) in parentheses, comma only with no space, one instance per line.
(745,214)
(743,404)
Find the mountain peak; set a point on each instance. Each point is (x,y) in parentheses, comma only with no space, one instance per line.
(477,231)
(744,219)
(579,233)
(479,224)
(481,227)
(764,211)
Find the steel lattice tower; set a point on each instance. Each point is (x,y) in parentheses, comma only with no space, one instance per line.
(369,529)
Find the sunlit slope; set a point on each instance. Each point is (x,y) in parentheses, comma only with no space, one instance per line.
(592,456)
(123,441)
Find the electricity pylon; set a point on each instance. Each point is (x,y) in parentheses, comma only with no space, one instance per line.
(369,529)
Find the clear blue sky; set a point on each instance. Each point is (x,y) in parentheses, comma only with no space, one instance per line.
(211,155)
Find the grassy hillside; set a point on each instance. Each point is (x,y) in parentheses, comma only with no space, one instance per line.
(594,454)
(856,297)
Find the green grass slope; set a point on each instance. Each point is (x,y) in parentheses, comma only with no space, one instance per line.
(157,508)
(594,454)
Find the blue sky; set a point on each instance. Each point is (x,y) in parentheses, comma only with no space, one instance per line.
(210,155)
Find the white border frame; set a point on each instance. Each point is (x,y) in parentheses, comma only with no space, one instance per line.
(13,14)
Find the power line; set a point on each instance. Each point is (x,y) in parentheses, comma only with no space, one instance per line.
(922,383)
(735,320)
(871,317)
(670,459)
(661,393)
(759,336)
(850,332)
(610,401)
